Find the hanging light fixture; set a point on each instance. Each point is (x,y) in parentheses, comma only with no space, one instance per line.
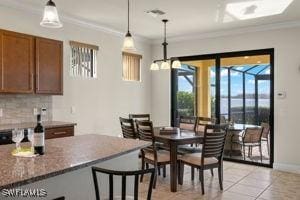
(128,44)
(165,62)
(50,17)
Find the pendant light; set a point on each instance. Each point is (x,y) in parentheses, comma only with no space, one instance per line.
(128,44)
(165,62)
(50,17)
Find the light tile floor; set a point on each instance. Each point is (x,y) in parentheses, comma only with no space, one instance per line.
(241,182)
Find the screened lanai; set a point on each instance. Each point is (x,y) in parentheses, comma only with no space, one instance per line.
(245,93)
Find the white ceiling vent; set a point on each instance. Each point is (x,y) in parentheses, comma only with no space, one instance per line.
(155,12)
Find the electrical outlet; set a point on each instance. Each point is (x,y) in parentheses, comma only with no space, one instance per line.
(1,112)
(35,111)
(44,111)
(73,110)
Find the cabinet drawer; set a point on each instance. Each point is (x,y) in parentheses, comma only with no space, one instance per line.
(59,132)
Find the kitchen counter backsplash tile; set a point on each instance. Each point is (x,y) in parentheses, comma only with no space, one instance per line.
(19,108)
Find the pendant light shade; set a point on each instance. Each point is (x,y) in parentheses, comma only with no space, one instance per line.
(165,65)
(50,17)
(154,66)
(176,64)
(128,44)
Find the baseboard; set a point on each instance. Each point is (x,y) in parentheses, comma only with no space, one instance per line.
(287,167)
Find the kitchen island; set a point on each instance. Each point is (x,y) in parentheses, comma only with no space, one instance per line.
(64,170)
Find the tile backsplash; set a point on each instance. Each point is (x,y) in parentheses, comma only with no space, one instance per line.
(19,108)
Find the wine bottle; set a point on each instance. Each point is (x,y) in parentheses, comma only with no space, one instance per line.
(39,137)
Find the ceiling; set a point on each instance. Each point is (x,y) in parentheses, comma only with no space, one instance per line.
(186,17)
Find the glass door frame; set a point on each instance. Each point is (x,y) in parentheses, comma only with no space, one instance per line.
(217,57)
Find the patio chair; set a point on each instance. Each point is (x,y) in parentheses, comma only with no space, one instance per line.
(250,138)
(266,134)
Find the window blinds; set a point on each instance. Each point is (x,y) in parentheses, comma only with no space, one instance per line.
(131,66)
(83,60)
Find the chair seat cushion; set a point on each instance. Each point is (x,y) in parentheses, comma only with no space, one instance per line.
(162,156)
(195,159)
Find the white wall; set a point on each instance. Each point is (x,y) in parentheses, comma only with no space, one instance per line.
(98,102)
(287,78)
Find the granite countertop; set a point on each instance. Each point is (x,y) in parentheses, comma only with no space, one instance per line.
(62,155)
(46,124)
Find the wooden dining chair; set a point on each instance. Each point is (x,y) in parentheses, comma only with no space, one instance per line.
(211,156)
(250,138)
(127,126)
(266,134)
(187,123)
(124,175)
(201,123)
(151,155)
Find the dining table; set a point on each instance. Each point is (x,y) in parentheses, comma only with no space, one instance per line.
(172,139)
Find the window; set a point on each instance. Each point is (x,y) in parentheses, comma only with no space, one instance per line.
(131,67)
(83,60)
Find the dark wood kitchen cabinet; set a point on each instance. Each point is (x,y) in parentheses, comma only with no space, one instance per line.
(49,66)
(30,64)
(17,62)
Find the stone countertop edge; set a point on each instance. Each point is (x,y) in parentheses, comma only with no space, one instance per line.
(70,169)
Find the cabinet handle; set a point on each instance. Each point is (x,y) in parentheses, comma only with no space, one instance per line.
(59,133)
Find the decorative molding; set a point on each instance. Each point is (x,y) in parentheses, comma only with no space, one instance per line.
(236,31)
(22,6)
(287,167)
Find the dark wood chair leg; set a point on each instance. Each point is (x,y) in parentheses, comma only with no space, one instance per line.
(181,173)
(164,171)
(260,150)
(220,175)
(155,176)
(201,173)
(147,165)
(212,171)
(192,173)
(268,147)
(244,152)
(249,152)
(143,168)
(158,170)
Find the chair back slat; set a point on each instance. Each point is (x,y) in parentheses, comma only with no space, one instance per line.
(127,126)
(111,187)
(187,123)
(145,117)
(124,175)
(252,135)
(123,187)
(136,187)
(214,141)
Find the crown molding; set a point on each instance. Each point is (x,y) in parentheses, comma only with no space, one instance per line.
(28,8)
(237,31)
(65,18)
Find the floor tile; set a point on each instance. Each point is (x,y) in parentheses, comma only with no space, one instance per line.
(275,195)
(233,196)
(246,190)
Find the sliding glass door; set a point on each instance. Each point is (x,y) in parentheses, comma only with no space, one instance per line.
(234,88)
(194,88)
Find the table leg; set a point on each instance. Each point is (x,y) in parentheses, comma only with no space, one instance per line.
(173,166)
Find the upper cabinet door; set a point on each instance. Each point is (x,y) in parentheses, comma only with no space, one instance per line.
(17,62)
(49,66)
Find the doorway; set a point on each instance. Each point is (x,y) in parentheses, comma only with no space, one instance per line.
(235,88)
